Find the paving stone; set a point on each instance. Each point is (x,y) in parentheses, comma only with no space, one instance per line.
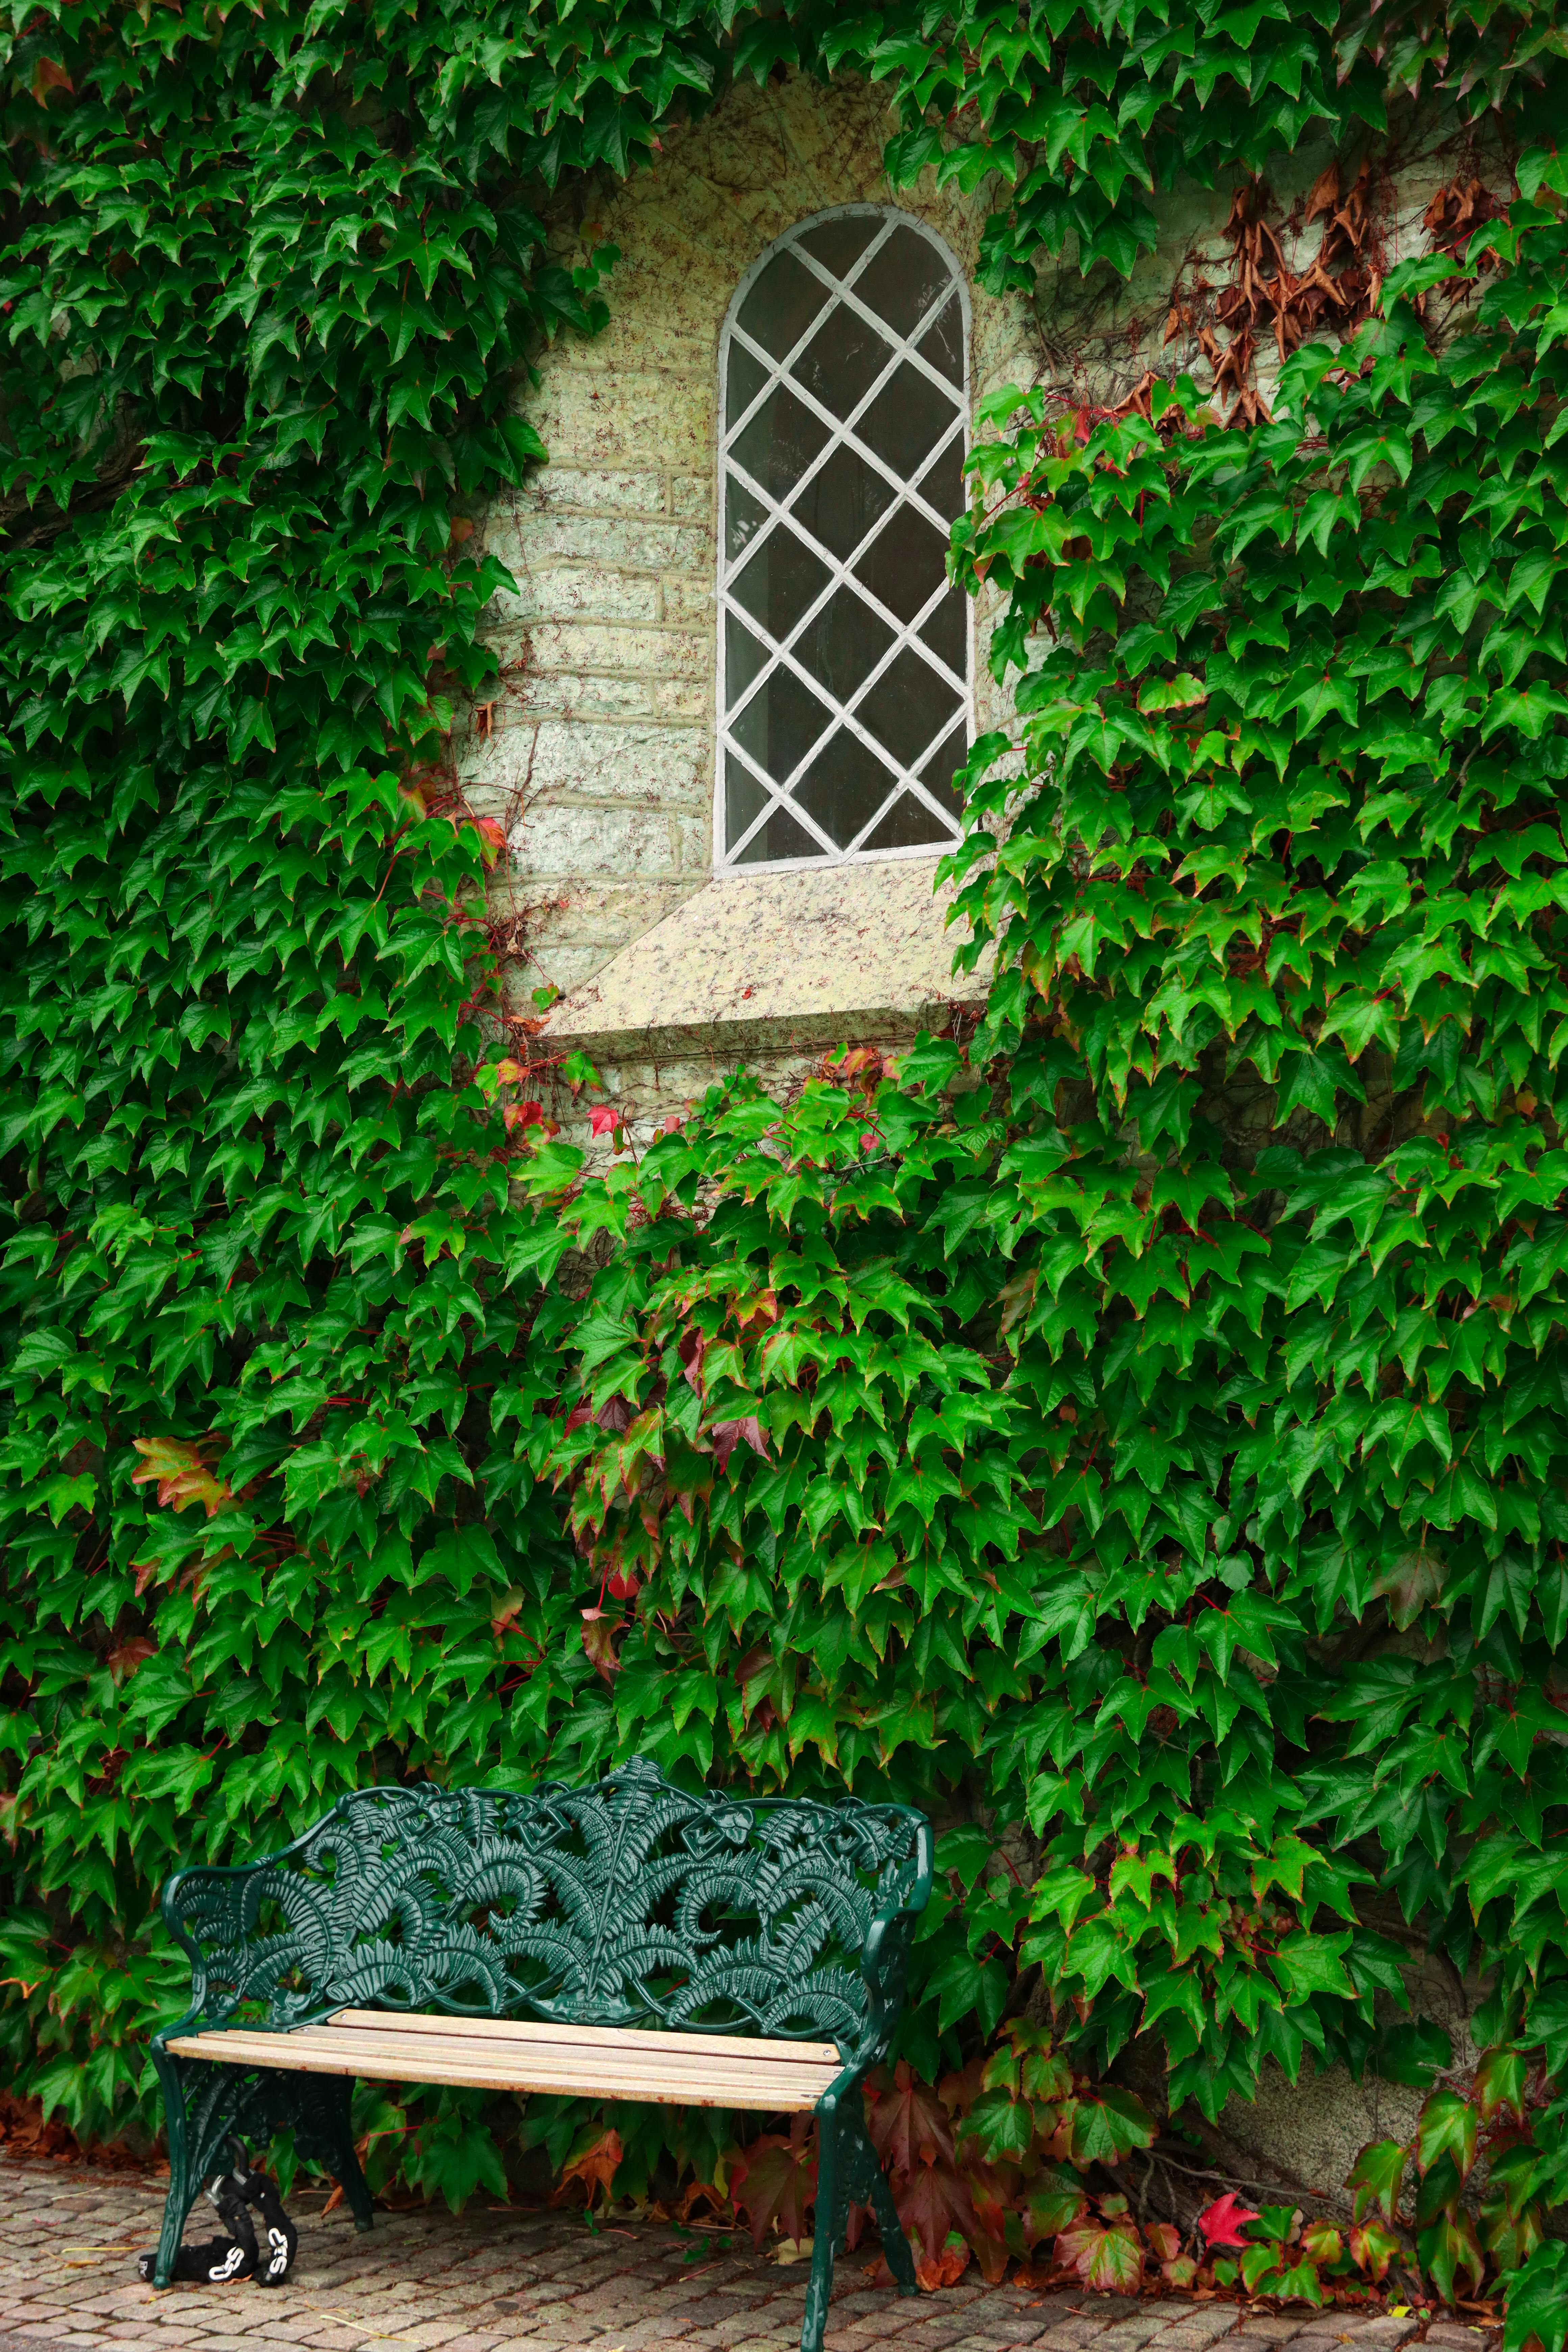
(499,2277)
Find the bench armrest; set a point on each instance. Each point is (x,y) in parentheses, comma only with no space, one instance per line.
(884,1961)
(207,1902)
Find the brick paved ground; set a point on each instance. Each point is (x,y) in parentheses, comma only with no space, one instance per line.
(70,2237)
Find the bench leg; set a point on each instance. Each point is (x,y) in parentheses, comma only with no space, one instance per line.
(203,2104)
(326,2135)
(871,2188)
(848,2173)
(831,2215)
(181,2191)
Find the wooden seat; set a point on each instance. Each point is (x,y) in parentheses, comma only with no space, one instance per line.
(683,2070)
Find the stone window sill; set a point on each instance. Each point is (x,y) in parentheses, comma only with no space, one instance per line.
(813,956)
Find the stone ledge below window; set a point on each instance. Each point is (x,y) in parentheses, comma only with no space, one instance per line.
(820,955)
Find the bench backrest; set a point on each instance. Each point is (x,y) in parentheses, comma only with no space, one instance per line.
(629,1902)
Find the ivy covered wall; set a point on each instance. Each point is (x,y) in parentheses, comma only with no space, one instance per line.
(1172,1504)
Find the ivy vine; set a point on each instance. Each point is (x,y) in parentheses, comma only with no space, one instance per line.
(1140,1436)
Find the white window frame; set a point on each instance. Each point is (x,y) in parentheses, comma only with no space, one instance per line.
(726,862)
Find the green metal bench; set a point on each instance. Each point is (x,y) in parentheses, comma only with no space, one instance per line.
(625,1940)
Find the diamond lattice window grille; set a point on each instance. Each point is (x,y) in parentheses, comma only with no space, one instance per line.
(844,659)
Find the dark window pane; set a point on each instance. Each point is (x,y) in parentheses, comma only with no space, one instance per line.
(743,796)
(947,631)
(747,377)
(779,836)
(909,708)
(844,787)
(843,646)
(842,500)
(902,281)
(838,244)
(780,581)
(743,516)
(937,773)
(783,303)
(780,724)
(743,657)
(942,342)
(905,563)
(941,484)
(905,422)
(842,360)
(780,442)
(909,825)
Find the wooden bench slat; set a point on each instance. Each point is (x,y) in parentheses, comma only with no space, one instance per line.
(582,2065)
(775,2099)
(604,2037)
(414,2050)
(326,2051)
(347,2042)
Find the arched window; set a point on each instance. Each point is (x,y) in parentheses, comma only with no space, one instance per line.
(843,653)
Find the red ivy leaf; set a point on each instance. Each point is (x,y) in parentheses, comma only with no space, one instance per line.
(1221,2222)
(596,2168)
(1109,2260)
(775,2181)
(182,1476)
(599,1641)
(49,75)
(933,2202)
(727,1436)
(907,2122)
(123,1660)
(1116,2265)
(945,2269)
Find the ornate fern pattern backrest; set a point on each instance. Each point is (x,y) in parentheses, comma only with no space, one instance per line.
(626,1903)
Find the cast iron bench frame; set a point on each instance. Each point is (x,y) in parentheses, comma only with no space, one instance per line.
(627,1940)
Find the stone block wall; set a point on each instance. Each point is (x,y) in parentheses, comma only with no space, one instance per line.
(599,751)
(598,756)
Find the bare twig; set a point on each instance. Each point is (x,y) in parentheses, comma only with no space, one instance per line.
(1228,2180)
